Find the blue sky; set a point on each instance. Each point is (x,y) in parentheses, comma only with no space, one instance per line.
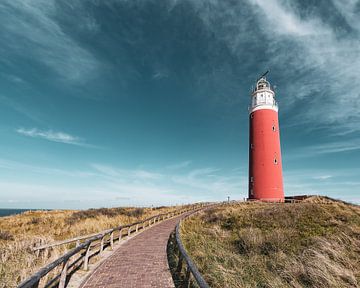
(115,102)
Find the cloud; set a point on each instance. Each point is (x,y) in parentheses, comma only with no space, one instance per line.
(31,168)
(30,29)
(284,21)
(13,78)
(336,183)
(349,9)
(313,57)
(324,148)
(322,177)
(129,174)
(197,184)
(50,135)
(19,108)
(320,64)
(158,75)
(180,165)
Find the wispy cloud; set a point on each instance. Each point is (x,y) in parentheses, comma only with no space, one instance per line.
(13,78)
(322,177)
(313,59)
(158,75)
(180,165)
(349,9)
(19,108)
(323,149)
(195,184)
(50,135)
(340,184)
(321,64)
(21,167)
(31,29)
(135,174)
(284,21)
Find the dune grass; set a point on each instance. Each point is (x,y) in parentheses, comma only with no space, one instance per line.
(19,233)
(315,243)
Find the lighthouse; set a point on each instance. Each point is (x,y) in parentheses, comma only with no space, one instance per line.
(265,168)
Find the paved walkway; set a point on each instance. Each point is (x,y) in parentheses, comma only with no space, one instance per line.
(141,262)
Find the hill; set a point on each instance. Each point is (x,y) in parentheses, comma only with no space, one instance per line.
(315,243)
(19,233)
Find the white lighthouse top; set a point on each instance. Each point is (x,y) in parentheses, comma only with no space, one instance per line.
(263,96)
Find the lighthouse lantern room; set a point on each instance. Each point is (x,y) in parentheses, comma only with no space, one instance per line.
(265,168)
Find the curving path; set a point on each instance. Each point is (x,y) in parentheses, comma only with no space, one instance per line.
(138,263)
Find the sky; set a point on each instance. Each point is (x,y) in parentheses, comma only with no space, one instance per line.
(128,102)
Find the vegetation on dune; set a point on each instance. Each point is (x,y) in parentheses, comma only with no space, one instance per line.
(315,243)
(20,233)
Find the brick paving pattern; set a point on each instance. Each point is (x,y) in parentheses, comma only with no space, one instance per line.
(141,262)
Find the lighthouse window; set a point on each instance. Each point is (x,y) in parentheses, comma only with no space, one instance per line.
(251,179)
(252,146)
(273,128)
(275,161)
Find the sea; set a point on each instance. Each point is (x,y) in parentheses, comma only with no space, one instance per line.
(7,212)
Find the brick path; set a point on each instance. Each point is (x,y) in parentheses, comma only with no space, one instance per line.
(141,262)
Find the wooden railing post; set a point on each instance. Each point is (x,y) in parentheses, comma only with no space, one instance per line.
(62,282)
(86,258)
(77,243)
(112,240)
(120,234)
(179,266)
(137,228)
(102,244)
(186,283)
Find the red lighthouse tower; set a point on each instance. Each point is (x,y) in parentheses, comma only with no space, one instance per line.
(265,169)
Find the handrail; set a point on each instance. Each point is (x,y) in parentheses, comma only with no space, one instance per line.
(190,264)
(85,253)
(183,256)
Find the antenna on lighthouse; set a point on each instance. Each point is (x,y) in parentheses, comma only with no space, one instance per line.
(263,75)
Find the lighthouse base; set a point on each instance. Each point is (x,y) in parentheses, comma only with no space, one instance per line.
(277,200)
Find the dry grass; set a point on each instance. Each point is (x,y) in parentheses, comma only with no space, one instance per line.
(311,244)
(19,233)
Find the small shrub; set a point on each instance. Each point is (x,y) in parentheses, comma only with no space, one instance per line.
(137,212)
(229,223)
(5,235)
(35,221)
(268,248)
(212,216)
(159,208)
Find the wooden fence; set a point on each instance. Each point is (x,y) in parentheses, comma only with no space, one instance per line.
(94,244)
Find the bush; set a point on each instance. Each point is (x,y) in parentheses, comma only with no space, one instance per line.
(4,235)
